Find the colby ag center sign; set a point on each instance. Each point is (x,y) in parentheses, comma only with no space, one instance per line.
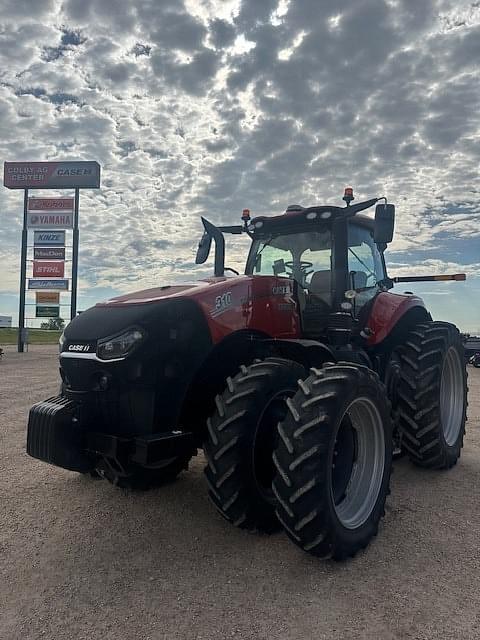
(51,175)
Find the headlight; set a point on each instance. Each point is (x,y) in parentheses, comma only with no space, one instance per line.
(61,341)
(119,346)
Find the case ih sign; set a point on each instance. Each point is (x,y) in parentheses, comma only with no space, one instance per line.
(43,269)
(51,175)
(49,238)
(49,253)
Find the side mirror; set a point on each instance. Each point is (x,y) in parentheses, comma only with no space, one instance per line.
(384,223)
(203,248)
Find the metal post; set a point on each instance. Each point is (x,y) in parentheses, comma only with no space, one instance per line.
(23,277)
(73,300)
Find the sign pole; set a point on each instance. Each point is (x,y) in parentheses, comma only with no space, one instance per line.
(23,278)
(73,300)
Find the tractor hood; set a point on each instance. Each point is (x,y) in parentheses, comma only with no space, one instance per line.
(148,309)
(157,294)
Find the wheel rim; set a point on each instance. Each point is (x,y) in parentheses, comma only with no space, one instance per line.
(451,396)
(265,441)
(358,467)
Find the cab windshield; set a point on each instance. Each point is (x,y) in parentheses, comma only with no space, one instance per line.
(292,255)
(307,258)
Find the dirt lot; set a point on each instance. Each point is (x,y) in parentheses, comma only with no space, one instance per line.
(82,559)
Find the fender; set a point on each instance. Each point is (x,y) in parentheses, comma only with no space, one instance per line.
(387,310)
(310,353)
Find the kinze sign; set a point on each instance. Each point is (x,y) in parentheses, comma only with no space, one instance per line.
(49,238)
(51,175)
(43,269)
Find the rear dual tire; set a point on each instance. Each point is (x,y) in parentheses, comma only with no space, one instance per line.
(333,461)
(432,395)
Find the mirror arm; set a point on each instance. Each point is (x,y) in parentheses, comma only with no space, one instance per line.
(217,235)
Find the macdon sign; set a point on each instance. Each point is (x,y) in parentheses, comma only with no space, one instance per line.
(51,175)
(49,253)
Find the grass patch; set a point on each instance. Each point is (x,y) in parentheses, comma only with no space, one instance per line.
(35,336)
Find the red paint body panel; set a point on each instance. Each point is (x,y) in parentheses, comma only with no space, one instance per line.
(260,303)
(387,310)
(264,304)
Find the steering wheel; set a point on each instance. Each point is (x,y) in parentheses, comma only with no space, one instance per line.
(303,265)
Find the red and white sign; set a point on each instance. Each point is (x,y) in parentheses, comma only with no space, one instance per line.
(44,269)
(49,220)
(50,204)
(51,175)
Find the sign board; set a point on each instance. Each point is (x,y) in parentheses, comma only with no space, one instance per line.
(47,312)
(48,269)
(50,204)
(58,284)
(49,238)
(48,220)
(47,297)
(51,175)
(49,253)
(5,321)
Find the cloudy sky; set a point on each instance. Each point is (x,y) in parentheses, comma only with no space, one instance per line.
(208,106)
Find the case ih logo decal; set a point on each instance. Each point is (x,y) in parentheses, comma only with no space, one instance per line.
(281,290)
(222,303)
(79,348)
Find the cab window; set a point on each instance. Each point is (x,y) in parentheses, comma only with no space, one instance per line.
(365,264)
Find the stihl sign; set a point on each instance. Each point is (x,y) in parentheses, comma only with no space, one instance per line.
(43,269)
(51,175)
(50,204)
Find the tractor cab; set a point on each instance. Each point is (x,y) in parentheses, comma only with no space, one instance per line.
(333,255)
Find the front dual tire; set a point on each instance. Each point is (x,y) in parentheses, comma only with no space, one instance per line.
(310,455)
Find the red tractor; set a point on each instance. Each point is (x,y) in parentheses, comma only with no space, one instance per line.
(297,379)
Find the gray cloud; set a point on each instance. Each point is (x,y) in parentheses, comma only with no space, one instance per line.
(192,108)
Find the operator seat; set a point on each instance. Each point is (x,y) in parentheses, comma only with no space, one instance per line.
(320,286)
(318,304)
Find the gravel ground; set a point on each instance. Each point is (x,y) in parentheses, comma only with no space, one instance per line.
(82,559)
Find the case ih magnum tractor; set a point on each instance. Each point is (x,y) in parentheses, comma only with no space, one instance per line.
(297,379)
